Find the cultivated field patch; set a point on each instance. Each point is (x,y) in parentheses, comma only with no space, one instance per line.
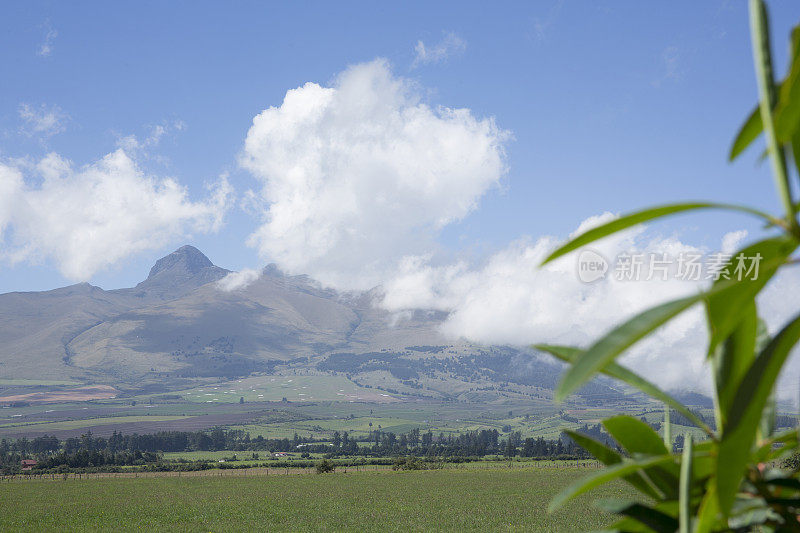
(274,388)
(80,394)
(512,499)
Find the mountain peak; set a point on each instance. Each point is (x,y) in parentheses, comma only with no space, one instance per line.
(186,259)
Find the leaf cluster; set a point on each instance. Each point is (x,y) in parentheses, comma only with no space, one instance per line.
(724,482)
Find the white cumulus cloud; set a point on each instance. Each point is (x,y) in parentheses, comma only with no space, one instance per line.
(358,178)
(510,300)
(359,174)
(89,218)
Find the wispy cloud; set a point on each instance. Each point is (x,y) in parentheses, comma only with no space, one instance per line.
(46,48)
(428,54)
(43,121)
(132,143)
(238,280)
(670,66)
(542,25)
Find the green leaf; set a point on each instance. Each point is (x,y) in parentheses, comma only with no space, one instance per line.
(760,379)
(600,451)
(766,425)
(609,457)
(787,111)
(685,496)
(626,525)
(795,137)
(626,467)
(653,518)
(569,354)
(748,133)
(617,341)
(777,447)
(787,108)
(723,304)
(745,413)
(635,436)
(728,297)
(796,151)
(639,439)
(632,219)
(708,513)
(667,429)
(762,56)
(732,359)
(762,336)
(703,464)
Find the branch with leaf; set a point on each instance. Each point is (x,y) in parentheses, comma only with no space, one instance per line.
(722,483)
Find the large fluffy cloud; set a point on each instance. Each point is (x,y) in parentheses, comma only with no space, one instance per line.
(509,300)
(89,218)
(359,174)
(359,177)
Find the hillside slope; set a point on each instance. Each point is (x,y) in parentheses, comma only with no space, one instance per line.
(179,325)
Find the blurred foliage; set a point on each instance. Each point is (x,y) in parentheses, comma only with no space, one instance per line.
(728,481)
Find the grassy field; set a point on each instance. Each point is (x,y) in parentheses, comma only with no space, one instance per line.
(454,500)
(301,388)
(312,418)
(215,456)
(73,424)
(282,419)
(316,405)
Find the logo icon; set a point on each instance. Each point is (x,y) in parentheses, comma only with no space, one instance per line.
(591,266)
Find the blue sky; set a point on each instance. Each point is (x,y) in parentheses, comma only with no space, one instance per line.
(611,105)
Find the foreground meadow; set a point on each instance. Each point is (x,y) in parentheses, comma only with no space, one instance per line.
(450,499)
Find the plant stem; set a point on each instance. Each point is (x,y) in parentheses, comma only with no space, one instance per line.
(767,98)
(685,487)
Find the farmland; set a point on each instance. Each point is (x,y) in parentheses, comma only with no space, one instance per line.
(80,424)
(281,419)
(312,406)
(450,499)
(294,388)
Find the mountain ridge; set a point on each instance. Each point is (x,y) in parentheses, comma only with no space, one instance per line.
(178,325)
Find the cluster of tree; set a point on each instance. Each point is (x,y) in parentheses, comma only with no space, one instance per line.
(89,451)
(25,446)
(97,458)
(785,421)
(165,441)
(677,418)
(478,443)
(10,462)
(118,449)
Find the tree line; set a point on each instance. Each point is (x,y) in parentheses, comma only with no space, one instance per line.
(90,451)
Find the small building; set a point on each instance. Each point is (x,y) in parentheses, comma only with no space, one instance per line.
(28,464)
